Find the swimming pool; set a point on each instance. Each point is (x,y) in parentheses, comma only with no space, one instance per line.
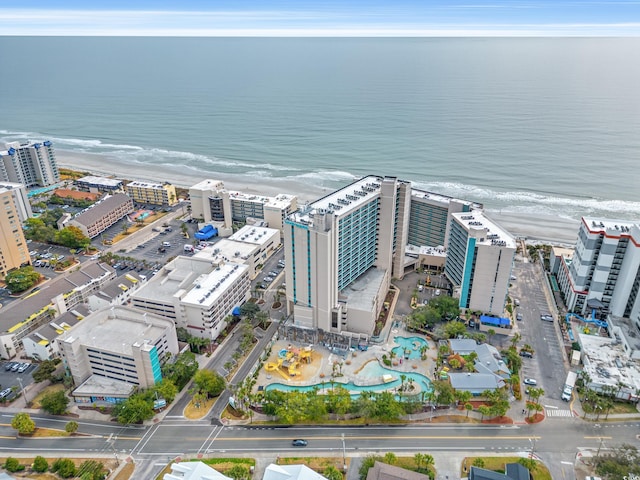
(373,371)
(409,347)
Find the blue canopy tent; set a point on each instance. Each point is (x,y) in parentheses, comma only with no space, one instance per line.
(495,321)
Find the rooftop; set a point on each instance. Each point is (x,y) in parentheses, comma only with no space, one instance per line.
(208,184)
(143,184)
(104,181)
(602,225)
(280,201)
(75,194)
(22,309)
(254,235)
(607,363)
(437,197)
(117,286)
(52,330)
(191,279)
(118,329)
(495,234)
(362,292)
(475,381)
(99,386)
(90,215)
(341,201)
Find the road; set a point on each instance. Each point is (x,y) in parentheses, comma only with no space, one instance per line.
(554,441)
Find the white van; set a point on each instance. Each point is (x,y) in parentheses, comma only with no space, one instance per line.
(189,248)
(166,244)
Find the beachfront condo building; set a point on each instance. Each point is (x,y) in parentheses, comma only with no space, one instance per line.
(152,193)
(113,351)
(94,184)
(31,164)
(479,262)
(14,250)
(212,203)
(342,251)
(97,218)
(605,267)
(429,217)
(20,198)
(197,294)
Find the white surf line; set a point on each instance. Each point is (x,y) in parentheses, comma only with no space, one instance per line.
(207,439)
(149,434)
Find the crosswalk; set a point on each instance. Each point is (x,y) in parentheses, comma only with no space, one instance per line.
(558,413)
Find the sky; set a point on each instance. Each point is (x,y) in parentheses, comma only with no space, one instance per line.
(321,18)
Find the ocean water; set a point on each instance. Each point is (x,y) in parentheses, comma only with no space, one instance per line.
(536,127)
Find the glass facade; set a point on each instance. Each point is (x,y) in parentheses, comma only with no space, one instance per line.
(357,242)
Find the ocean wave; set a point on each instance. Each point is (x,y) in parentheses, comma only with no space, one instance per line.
(532,202)
(326,176)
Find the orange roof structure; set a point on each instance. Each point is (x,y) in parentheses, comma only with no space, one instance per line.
(76,195)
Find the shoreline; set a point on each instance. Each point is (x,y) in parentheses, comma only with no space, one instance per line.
(535,228)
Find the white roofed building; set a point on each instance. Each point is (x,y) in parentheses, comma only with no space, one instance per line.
(116,348)
(250,245)
(479,262)
(196,293)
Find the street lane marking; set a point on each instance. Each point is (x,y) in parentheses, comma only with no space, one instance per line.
(599,437)
(409,437)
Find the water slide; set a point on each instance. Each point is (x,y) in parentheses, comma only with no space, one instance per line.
(597,323)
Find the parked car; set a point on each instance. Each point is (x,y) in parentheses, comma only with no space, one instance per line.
(23,367)
(298,442)
(9,365)
(545,317)
(519,317)
(437,292)
(15,367)
(526,353)
(530,381)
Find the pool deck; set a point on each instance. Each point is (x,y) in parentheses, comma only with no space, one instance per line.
(321,368)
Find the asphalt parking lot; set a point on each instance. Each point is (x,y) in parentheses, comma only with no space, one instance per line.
(10,379)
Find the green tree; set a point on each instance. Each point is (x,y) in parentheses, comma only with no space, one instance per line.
(13,465)
(38,231)
(238,472)
(135,409)
(71,427)
(55,403)
(249,310)
(40,464)
(181,370)
(478,462)
(91,470)
(444,392)
(21,279)
(45,370)
(23,424)
(166,389)
(468,407)
(64,467)
(454,329)
(208,382)
(72,237)
(332,473)
(390,458)
(368,462)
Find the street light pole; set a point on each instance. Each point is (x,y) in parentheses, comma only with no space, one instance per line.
(599,447)
(344,455)
(24,394)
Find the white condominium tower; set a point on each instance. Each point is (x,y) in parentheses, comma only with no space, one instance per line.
(479,262)
(31,164)
(342,251)
(605,267)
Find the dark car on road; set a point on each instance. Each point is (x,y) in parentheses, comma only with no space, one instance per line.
(298,442)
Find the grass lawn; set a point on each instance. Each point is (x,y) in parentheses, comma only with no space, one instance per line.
(50,389)
(195,413)
(498,463)
(624,407)
(109,464)
(318,464)
(126,472)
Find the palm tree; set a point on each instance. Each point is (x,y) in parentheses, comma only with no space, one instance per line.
(418,458)
(515,339)
(491,332)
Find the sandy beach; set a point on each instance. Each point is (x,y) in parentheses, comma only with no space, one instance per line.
(540,228)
